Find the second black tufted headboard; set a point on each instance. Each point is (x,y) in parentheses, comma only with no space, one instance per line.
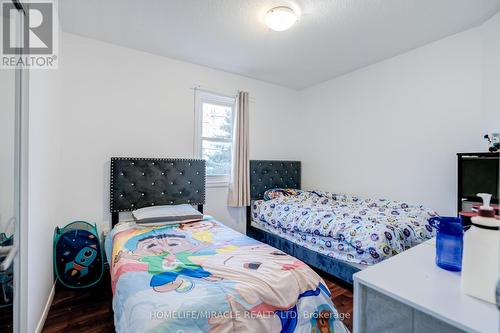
(268,174)
(141,182)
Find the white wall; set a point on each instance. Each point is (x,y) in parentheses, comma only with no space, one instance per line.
(44,187)
(392,129)
(491,74)
(122,102)
(7,127)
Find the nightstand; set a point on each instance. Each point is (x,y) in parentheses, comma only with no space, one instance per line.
(409,293)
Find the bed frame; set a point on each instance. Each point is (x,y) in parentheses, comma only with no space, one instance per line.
(267,174)
(143,182)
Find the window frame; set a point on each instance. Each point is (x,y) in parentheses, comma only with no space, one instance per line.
(202,97)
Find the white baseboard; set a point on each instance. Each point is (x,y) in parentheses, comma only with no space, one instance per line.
(45,312)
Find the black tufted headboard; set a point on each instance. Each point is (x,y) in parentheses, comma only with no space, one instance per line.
(141,182)
(267,174)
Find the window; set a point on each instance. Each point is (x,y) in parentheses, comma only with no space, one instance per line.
(214,138)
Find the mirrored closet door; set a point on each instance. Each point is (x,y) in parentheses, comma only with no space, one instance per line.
(10,143)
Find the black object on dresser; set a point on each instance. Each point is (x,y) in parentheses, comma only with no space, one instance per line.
(477,173)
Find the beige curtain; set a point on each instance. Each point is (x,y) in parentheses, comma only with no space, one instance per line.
(239,191)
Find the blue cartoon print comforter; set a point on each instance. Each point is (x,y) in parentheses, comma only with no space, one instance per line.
(205,277)
(345,227)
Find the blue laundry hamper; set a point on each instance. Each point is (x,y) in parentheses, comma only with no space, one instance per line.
(78,259)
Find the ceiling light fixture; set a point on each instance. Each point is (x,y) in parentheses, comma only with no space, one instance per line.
(280,18)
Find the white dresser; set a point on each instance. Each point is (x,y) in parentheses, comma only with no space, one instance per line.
(409,293)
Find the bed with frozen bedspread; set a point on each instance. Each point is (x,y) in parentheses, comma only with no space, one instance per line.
(349,228)
(204,277)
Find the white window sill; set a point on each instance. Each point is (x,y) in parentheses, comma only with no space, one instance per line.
(217,184)
(217,181)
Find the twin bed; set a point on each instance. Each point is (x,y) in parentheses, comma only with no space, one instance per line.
(336,233)
(204,277)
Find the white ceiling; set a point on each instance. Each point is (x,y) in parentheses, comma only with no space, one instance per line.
(333,37)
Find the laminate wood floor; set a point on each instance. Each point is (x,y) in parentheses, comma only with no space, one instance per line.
(89,310)
(6,324)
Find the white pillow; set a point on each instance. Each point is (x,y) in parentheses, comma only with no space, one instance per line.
(170,213)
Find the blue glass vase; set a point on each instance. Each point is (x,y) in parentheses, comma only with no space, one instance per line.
(449,242)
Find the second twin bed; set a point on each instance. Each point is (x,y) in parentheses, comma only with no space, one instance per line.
(337,233)
(349,228)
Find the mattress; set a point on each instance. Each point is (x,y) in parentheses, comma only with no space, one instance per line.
(350,228)
(205,277)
